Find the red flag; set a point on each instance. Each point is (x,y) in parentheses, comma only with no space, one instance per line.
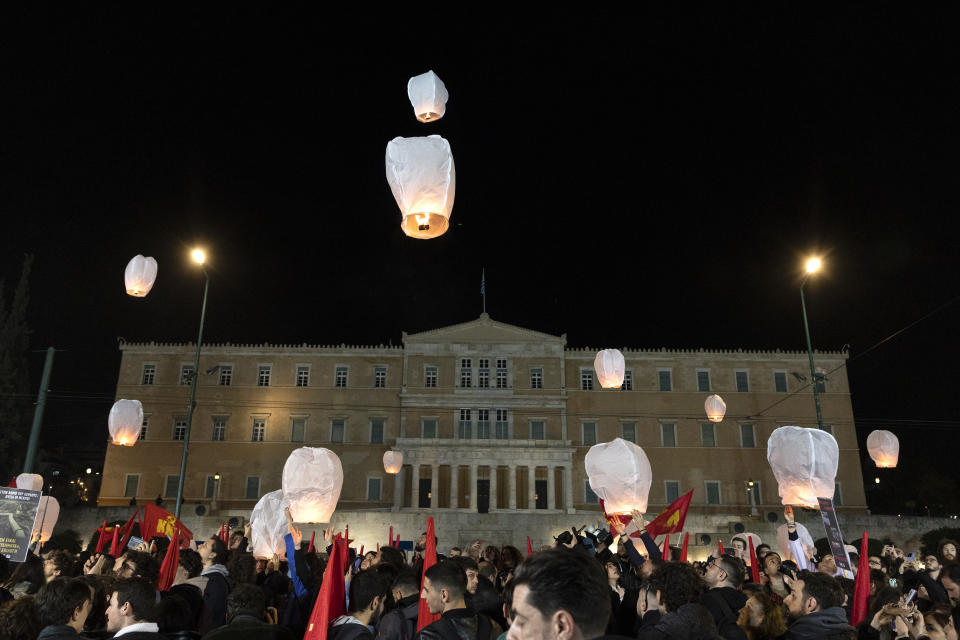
(666,548)
(103,537)
(331,601)
(671,519)
(346,535)
(424,617)
(720,546)
(128,529)
(13,483)
(225,532)
(361,551)
(121,535)
(529,547)
(861,590)
(378,547)
(754,567)
(683,549)
(168,570)
(397,544)
(160,522)
(390,537)
(312,536)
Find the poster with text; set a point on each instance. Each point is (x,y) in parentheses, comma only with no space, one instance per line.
(18,512)
(834,537)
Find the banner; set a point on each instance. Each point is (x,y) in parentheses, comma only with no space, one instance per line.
(834,537)
(160,522)
(18,513)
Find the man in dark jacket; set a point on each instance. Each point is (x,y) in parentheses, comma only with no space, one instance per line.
(400,623)
(64,605)
(814,609)
(723,598)
(368,591)
(677,587)
(245,607)
(444,587)
(130,612)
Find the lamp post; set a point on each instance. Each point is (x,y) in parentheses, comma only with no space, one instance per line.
(812,266)
(216,492)
(199,257)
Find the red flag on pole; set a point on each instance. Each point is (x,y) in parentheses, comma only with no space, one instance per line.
(312,536)
(157,521)
(720,546)
(13,483)
(861,589)
(424,617)
(683,549)
(529,547)
(331,601)
(102,537)
(361,551)
(390,537)
(168,570)
(397,543)
(128,529)
(666,548)
(122,535)
(754,567)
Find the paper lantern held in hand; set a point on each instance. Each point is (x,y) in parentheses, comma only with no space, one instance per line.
(422,177)
(884,448)
(806,540)
(804,462)
(610,367)
(268,525)
(140,275)
(715,407)
(620,474)
(48,513)
(125,422)
(30,481)
(312,479)
(393,461)
(428,95)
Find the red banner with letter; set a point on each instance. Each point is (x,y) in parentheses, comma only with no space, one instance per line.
(160,522)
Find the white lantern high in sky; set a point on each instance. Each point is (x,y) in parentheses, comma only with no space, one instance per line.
(140,275)
(610,367)
(423,181)
(268,525)
(30,481)
(312,479)
(125,421)
(428,95)
(804,462)
(393,461)
(47,515)
(715,407)
(884,448)
(620,474)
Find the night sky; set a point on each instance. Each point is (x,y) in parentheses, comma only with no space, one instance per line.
(643,181)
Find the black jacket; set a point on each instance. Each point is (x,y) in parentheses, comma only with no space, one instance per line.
(690,622)
(215,600)
(828,624)
(724,604)
(459,624)
(400,623)
(248,628)
(58,632)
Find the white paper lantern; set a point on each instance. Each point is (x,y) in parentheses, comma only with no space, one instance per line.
(422,178)
(884,448)
(744,538)
(140,275)
(620,474)
(428,95)
(312,479)
(783,542)
(48,513)
(268,525)
(610,367)
(715,407)
(125,421)
(30,481)
(393,461)
(804,462)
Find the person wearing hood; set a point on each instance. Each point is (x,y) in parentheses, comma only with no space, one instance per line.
(723,597)
(213,554)
(677,588)
(814,609)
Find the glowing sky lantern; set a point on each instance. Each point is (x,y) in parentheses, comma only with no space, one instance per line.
(884,448)
(620,474)
(312,479)
(125,421)
(715,407)
(610,367)
(140,275)
(804,462)
(30,481)
(47,515)
(428,95)
(268,525)
(422,177)
(393,461)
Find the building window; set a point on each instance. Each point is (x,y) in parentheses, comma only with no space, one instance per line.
(226,375)
(149,374)
(780,381)
(672,490)
(589,433)
(303,376)
(668,434)
(588,495)
(586,379)
(338,430)
(298,429)
(501,373)
(713,491)
(170,490)
(627,380)
(665,378)
(466,373)
(373,489)
(179,428)
(430,375)
(538,430)
(376,431)
(753,493)
(131,485)
(483,424)
(210,488)
(483,373)
(379,377)
(263,375)
(429,428)
(340,377)
(708,434)
(219,428)
(828,428)
(743,381)
(748,438)
(820,379)
(186,374)
(629,431)
(259,429)
(253,488)
(837,495)
(465,425)
(536,378)
(502,425)
(143,428)
(703,380)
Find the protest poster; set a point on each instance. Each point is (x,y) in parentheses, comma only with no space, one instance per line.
(834,537)
(18,513)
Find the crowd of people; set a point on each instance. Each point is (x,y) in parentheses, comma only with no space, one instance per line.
(589,584)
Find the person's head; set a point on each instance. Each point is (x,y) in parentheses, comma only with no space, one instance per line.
(405,585)
(771,563)
(740,545)
(57,564)
(827,564)
(64,601)
(510,558)
(212,551)
(20,620)
(190,566)
(245,600)
(876,562)
(139,564)
(390,555)
(878,580)
(950,577)
(97,618)
(470,569)
(811,592)
(612,569)
(133,600)
(558,594)
(948,550)
(368,592)
(31,570)
(931,562)
(725,571)
(444,587)
(236,540)
(243,567)
(492,554)
(938,623)
(762,617)
(454,552)
(173,614)
(487,570)
(368,559)
(675,585)
(762,550)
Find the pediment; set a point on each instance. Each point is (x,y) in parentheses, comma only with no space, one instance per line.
(483,330)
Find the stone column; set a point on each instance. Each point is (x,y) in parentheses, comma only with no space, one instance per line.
(512,486)
(551,489)
(531,487)
(434,485)
(415,486)
(473,488)
(493,486)
(454,489)
(568,488)
(398,490)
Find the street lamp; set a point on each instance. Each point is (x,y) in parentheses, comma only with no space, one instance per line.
(199,257)
(812,266)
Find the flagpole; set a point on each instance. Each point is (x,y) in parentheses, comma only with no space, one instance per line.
(483,287)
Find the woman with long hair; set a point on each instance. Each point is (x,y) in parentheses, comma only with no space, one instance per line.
(761,618)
